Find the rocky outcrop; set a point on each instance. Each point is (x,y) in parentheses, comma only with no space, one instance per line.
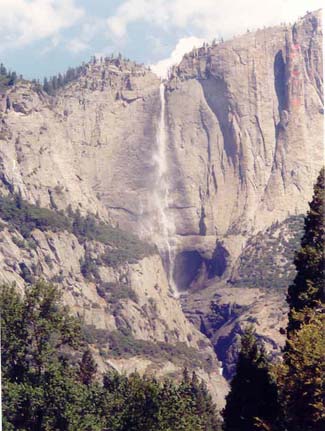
(245,121)
(253,293)
(243,129)
(223,313)
(85,145)
(129,303)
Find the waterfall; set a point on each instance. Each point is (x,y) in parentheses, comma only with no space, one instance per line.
(165,223)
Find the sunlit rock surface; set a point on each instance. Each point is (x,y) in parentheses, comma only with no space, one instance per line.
(243,134)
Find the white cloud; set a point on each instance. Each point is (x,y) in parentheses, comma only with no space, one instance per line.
(87,32)
(77,45)
(25,21)
(184,45)
(207,18)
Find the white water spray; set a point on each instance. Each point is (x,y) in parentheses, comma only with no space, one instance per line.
(165,222)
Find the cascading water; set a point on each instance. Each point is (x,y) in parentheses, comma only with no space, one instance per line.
(165,224)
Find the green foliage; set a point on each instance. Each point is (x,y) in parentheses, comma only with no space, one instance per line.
(308,286)
(252,403)
(122,344)
(115,292)
(301,376)
(87,368)
(122,246)
(253,396)
(46,387)
(146,404)
(89,267)
(25,217)
(7,78)
(54,83)
(266,261)
(37,373)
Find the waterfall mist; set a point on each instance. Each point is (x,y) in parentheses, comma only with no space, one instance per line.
(165,229)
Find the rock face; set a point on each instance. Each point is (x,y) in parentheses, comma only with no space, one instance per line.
(252,294)
(243,138)
(76,148)
(129,304)
(245,121)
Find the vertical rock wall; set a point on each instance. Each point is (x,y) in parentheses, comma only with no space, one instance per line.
(246,130)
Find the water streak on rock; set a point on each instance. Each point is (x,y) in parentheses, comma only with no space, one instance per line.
(165,223)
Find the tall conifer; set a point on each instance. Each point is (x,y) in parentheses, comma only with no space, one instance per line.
(301,377)
(253,396)
(308,287)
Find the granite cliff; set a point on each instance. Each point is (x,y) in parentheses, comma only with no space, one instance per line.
(200,167)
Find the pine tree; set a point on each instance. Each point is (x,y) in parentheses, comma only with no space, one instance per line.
(253,396)
(3,70)
(301,375)
(308,287)
(87,368)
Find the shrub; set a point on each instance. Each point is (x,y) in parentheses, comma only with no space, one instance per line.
(88,268)
(123,246)
(25,217)
(125,346)
(115,292)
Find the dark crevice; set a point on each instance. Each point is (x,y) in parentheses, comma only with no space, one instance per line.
(280,81)
(192,270)
(202,225)
(187,268)
(218,263)
(217,95)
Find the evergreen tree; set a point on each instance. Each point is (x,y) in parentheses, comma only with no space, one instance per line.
(308,287)
(39,388)
(301,376)
(3,70)
(87,368)
(253,398)
(46,85)
(46,388)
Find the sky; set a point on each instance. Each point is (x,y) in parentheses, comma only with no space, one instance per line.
(44,37)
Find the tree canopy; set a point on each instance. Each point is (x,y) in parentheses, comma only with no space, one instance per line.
(253,395)
(301,376)
(50,378)
(308,287)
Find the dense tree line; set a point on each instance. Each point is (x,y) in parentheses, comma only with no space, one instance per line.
(8,78)
(52,84)
(290,395)
(50,379)
(25,217)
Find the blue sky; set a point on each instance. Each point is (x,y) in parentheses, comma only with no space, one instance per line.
(43,37)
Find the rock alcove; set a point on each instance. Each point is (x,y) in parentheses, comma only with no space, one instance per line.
(192,270)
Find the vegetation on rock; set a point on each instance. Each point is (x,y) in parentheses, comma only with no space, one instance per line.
(54,83)
(50,378)
(122,344)
(7,78)
(267,260)
(300,377)
(121,246)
